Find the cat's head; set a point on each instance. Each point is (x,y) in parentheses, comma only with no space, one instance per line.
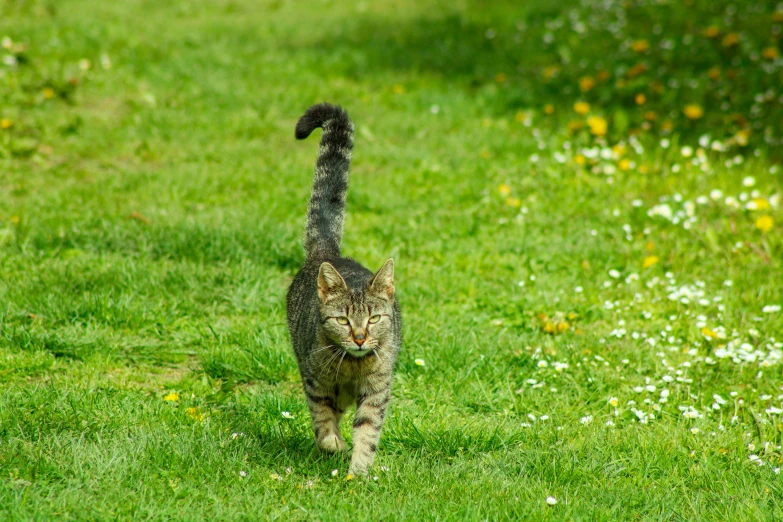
(358,321)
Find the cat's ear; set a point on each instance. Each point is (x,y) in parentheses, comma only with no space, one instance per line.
(382,283)
(330,283)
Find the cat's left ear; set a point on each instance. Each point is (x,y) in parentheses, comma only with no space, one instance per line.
(382,283)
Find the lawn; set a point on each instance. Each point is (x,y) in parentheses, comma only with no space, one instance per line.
(582,198)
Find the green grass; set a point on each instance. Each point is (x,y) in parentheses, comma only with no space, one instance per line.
(152,203)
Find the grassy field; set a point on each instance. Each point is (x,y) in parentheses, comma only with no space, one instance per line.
(582,200)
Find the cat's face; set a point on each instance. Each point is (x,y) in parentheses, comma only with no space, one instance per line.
(358,322)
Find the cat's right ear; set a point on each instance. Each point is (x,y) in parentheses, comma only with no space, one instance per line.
(330,283)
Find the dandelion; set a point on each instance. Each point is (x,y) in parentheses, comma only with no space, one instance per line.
(286,415)
(640,99)
(693,112)
(195,414)
(649,261)
(5,123)
(640,46)
(419,362)
(171,397)
(730,40)
(770,53)
(349,477)
(504,190)
(711,31)
(549,108)
(586,83)
(765,223)
(598,126)
(48,93)
(551,501)
(581,107)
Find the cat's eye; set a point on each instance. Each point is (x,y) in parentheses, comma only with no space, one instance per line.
(342,320)
(374,319)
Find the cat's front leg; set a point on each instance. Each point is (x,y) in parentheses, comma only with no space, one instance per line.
(326,420)
(367,424)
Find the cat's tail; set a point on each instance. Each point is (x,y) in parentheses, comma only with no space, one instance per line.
(326,212)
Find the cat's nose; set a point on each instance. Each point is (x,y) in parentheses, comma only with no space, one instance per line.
(359,340)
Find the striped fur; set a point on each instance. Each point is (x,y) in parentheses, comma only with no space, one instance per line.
(326,212)
(344,320)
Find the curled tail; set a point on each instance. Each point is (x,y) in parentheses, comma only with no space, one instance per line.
(326,212)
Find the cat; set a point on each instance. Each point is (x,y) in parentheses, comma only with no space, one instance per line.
(344,321)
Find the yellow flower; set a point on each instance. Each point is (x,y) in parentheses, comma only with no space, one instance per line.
(549,108)
(598,125)
(714,73)
(581,107)
(194,414)
(579,159)
(761,204)
(613,402)
(709,333)
(349,477)
(513,202)
(640,99)
(711,32)
(520,116)
(650,116)
(551,71)
(586,83)
(640,46)
(730,40)
(624,164)
(649,261)
(770,53)
(504,190)
(742,137)
(764,223)
(48,93)
(172,397)
(5,123)
(693,112)
(398,89)
(500,77)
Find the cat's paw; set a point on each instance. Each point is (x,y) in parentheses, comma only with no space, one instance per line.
(331,443)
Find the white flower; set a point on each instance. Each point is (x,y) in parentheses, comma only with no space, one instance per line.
(419,362)
(287,415)
(749,181)
(551,501)
(755,459)
(542,364)
(686,151)
(334,472)
(587,419)
(694,430)
(243,473)
(771,309)
(614,274)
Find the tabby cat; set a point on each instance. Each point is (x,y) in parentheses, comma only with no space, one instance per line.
(344,321)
